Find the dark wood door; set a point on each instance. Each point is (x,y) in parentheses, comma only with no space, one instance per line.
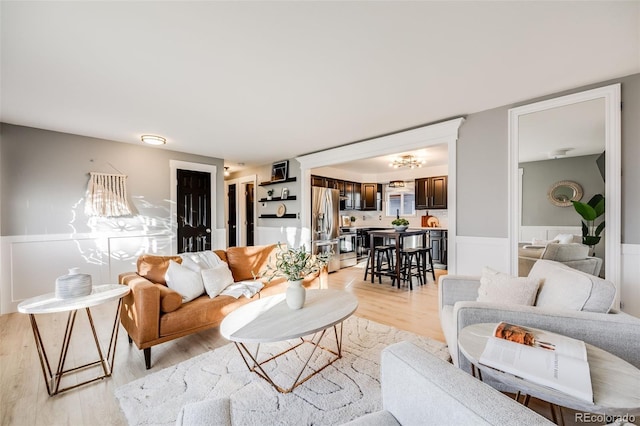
(232,225)
(249,199)
(194,211)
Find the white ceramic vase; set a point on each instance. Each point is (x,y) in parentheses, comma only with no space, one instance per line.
(296,294)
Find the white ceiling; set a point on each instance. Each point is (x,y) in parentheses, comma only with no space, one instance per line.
(258,82)
(436,155)
(578,128)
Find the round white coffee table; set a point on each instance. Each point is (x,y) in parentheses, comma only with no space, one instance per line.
(47,304)
(270,320)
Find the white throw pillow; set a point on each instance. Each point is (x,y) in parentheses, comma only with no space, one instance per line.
(216,279)
(186,282)
(564,238)
(498,287)
(190,264)
(542,243)
(199,258)
(562,287)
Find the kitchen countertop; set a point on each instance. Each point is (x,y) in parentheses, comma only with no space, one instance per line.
(355,228)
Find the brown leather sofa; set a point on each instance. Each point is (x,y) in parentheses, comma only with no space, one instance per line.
(152,313)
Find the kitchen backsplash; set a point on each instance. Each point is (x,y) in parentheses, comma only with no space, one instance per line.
(377,218)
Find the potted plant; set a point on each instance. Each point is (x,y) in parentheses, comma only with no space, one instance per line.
(590,211)
(400,224)
(294,264)
(269,194)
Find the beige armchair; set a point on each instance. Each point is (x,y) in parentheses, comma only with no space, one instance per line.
(574,255)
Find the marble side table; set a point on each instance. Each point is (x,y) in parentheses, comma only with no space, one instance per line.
(614,381)
(47,304)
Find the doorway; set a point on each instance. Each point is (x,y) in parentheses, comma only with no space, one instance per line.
(240,211)
(212,240)
(193,211)
(249,200)
(232,221)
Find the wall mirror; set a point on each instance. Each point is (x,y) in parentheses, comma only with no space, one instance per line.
(562,193)
(570,138)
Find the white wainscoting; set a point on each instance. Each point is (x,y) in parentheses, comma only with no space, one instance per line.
(289,235)
(31,264)
(528,233)
(630,286)
(473,253)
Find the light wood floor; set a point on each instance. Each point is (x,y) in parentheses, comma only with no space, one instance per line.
(23,396)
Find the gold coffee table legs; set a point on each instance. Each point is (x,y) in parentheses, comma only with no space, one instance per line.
(250,359)
(52,380)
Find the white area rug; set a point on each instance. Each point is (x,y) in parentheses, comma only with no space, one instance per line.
(347,389)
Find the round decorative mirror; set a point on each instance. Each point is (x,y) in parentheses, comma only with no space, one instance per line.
(562,193)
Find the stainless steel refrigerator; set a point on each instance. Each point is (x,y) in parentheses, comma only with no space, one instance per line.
(325,223)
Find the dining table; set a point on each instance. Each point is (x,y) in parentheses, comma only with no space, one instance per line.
(398,237)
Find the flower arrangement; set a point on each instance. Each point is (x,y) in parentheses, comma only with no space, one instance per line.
(400,222)
(296,263)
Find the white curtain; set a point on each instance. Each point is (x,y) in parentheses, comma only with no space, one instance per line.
(107,195)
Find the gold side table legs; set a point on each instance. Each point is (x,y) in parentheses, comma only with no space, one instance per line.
(106,362)
(256,366)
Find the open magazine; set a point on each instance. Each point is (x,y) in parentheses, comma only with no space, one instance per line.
(544,358)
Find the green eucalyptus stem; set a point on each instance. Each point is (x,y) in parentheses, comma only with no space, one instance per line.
(295,264)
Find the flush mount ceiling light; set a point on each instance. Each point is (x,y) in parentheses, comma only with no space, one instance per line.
(396,184)
(153,140)
(406,161)
(226,170)
(558,153)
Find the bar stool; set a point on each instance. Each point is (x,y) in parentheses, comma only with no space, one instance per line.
(411,266)
(384,255)
(425,253)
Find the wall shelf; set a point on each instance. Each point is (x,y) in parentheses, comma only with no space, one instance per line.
(273,216)
(291,179)
(290,198)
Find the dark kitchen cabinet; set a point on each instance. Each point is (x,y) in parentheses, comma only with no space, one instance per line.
(331,183)
(318,181)
(431,193)
(357,196)
(348,195)
(371,196)
(438,244)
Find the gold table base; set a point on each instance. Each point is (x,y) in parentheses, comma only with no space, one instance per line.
(106,362)
(253,365)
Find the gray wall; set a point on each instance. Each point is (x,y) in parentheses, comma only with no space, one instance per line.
(482,166)
(44,177)
(537,178)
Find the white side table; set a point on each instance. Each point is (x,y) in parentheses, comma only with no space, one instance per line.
(47,304)
(614,381)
